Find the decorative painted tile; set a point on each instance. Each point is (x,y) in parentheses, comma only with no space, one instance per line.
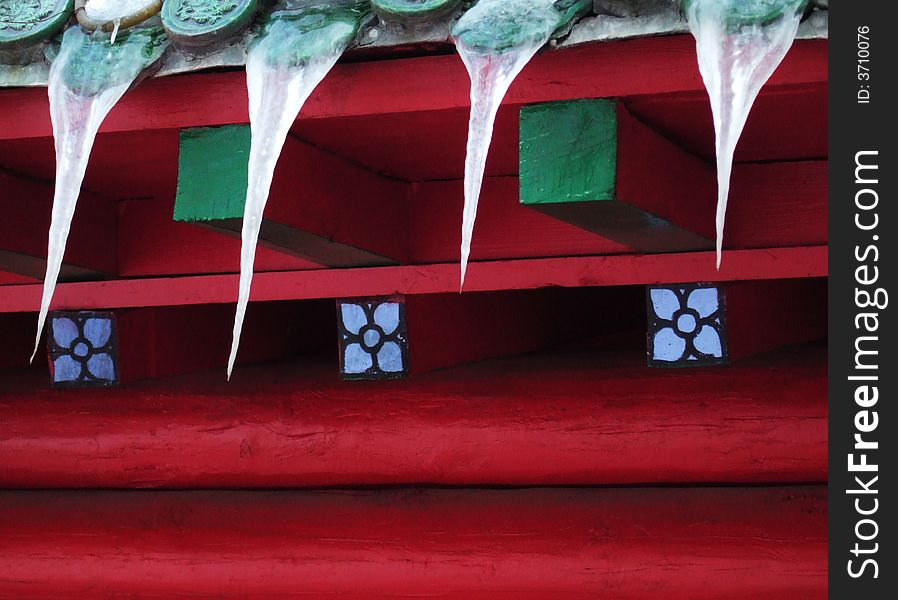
(373,342)
(686,326)
(82,349)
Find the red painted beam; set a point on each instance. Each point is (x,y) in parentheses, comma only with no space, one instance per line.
(777,204)
(164,341)
(547,419)
(26,205)
(771,205)
(18,340)
(763,315)
(772,263)
(331,212)
(152,244)
(621,68)
(451,329)
(700,544)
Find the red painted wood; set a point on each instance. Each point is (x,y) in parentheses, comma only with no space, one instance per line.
(771,205)
(26,206)
(786,123)
(322,194)
(619,68)
(162,341)
(655,175)
(700,544)
(128,164)
(772,263)
(504,228)
(762,315)
(424,145)
(572,418)
(17,331)
(15,279)
(152,244)
(777,204)
(451,329)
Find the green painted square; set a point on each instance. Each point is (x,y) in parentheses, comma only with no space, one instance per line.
(212,173)
(568,151)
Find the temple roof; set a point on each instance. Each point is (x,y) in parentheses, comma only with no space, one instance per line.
(384,34)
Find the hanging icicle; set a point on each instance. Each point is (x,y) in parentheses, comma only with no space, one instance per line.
(740,43)
(294,52)
(87,78)
(496,39)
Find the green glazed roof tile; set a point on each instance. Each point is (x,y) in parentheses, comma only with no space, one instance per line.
(512,24)
(27,22)
(742,13)
(203,22)
(413,10)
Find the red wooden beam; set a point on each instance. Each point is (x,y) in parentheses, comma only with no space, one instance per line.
(772,205)
(18,339)
(763,315)
(797,114)
(548,419)
(772,263)
(163,341)
(777,204)
(620,68)
(152,244)
(452,329)
(330,212)
(26,206)
(701,544)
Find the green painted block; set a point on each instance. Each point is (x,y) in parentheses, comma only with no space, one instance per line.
(212,173)
(568,151)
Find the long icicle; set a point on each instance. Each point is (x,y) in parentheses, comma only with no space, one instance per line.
(735,63)
(495,39)
(277,91)
(491,76)
(81,95)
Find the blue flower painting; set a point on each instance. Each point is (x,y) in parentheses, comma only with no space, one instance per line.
(373,341)
(686,326)
(82,349)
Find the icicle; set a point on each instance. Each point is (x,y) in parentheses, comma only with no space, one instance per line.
(738,50)
(282,69)
(108,11)
(115,28)
(495,39)
(87,78)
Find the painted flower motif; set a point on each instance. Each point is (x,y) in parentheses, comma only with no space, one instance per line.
(81,349)
(685,325)
(373,343)
(205,12)
(19,15)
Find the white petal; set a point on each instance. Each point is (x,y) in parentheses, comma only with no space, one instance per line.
(64,331)
(387,316)
(704,301)
(708,342)
(101,366)
(668,346)
(98,331)
(390,358)
(353,317)
(355,359)
(65,368)
(665,303)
